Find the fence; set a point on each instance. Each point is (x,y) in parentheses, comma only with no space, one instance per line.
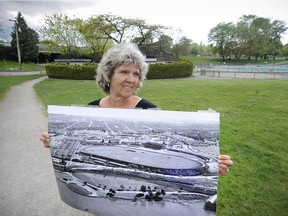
(245,71)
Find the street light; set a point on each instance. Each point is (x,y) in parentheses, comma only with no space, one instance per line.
(17,41)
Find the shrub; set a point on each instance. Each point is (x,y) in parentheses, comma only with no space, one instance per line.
(170,70)
(88,71)
(70,71)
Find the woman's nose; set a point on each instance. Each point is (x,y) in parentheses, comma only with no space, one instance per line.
(130,77)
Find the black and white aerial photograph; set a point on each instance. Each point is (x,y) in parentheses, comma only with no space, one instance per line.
(129,162)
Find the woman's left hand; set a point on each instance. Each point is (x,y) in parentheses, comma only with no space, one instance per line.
(224,162)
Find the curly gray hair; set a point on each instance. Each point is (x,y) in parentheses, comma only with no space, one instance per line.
(122,53)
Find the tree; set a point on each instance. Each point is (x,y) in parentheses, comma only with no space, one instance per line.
(263,36)
(119,29)
(285,50)
(95,40)
(28,40)
(220,36)
(278,27)
(238,39)
(145,33)
(182,47)
(201,49)
(251,36)
(114,27)
(261,27)
(195,49)
(97,33)
(166,43)
(62,31)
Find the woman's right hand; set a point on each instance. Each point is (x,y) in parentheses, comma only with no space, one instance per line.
(45,138)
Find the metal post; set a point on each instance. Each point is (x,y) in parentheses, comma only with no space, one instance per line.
(17,42)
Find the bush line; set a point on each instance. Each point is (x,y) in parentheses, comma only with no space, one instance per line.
(87,71)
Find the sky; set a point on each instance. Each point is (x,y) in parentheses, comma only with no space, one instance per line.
(195,18)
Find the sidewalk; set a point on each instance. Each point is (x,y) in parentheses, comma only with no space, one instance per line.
(27,183)
(20,73)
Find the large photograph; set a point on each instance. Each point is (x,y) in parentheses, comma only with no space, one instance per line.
(135,162)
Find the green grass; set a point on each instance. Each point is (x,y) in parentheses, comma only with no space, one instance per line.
(13,66)
(7,81)
(254,132)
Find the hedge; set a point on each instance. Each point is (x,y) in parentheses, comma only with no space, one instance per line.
(171,70)
(71,71)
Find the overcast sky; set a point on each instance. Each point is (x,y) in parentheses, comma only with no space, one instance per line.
(194,17)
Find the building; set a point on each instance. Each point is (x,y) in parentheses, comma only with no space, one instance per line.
(46,55)
(155,51)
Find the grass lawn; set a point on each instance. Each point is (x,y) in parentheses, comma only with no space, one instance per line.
(254,116)
(13,66)
(7,81)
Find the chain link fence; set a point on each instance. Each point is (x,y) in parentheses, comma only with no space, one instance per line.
(245,71)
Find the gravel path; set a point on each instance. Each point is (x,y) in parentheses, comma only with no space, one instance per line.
(27,182)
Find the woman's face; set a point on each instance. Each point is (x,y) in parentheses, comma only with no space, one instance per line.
(125,80)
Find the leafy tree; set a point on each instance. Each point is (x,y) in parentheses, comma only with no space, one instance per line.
(166,43)
(119,29)
(238,43)
(63,32)
(220,36)
(195,49)
(248,34)
(182,47)
(251,36)
(113,27)
(277,28)
(95,40)
(261,28)
(200,49)
(263,36)
(285,50)
(145,33)
(28,40)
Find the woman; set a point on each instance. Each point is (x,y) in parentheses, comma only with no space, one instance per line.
(120,74)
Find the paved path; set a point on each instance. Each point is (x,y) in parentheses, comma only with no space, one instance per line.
(27,183)
(20,73)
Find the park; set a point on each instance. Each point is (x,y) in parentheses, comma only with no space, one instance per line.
(253,129)
(253,123)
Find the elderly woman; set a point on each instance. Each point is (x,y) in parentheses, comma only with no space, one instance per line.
(120,74)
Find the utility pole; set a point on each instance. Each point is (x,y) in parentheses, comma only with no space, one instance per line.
(17,42)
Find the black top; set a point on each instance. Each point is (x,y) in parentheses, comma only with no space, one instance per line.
(144,104)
